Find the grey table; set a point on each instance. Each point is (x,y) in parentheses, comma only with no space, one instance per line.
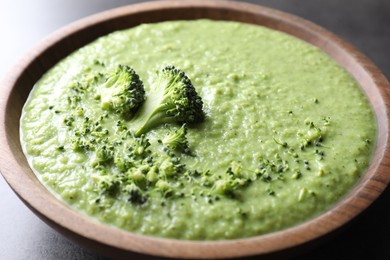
(364,23)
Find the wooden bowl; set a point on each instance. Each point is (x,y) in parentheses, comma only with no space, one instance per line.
(114,242)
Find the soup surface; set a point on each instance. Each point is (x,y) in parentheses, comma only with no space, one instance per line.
(287,133)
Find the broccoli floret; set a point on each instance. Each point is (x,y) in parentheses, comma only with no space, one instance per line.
(228,185)
(172,99)
(164,187)
(169,168)
(312,137)
(123,91)
(136,195)
(177,140)
(138,175)
(103,155)
(140,146)
(152,174)
(107,183)
(123,161)
(224,186)
(80,143)
(233,178)
(129,153)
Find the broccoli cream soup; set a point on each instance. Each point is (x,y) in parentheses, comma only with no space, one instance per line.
(199,130)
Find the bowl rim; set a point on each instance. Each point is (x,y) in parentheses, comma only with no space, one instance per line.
(358,199)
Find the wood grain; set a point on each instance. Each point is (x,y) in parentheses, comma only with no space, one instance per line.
(110,241)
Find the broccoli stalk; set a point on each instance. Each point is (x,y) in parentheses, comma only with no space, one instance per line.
(173,99)
(123,91)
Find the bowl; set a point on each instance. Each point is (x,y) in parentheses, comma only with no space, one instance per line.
(117,243)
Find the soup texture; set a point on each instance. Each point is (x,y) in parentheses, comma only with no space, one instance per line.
(286,132)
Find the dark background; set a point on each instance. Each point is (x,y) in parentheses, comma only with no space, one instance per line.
(364,23)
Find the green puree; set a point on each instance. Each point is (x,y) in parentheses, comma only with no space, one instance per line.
(287,132)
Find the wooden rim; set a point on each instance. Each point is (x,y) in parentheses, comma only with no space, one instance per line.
(15,169)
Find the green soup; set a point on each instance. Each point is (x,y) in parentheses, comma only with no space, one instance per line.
(286,124)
